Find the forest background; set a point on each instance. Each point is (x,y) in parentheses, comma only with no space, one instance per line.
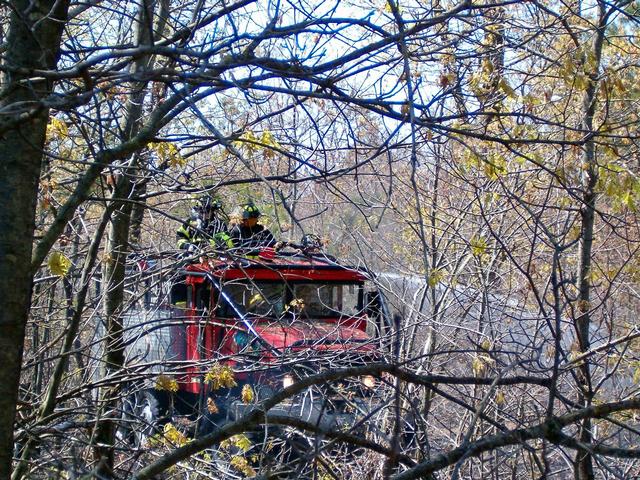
(488,151)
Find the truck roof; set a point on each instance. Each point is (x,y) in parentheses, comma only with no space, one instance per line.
(281,267)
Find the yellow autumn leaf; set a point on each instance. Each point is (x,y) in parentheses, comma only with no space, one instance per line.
(480,363)
(388,8)
(269,143)
(478,366)
(174,436)
(478,246)
(478,83)
(57,129)
(247,141)
(166,383)
(506,88)
(220,376)
(59,264)
(499,398)
(247,394)
(488,66)
(242,442)
(448,57)
(169,153)
(436,276)
(267,139)
(470,161)
(239,441)
(495,166)
(618,86)
(581,81)
(241,464)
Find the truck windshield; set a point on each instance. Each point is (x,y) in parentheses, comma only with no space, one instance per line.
(265,299)
(327,300)
(308,300)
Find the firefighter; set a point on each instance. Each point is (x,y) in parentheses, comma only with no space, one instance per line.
(205,226)
(247,233)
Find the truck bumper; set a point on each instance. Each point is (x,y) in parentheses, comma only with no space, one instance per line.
(320,414)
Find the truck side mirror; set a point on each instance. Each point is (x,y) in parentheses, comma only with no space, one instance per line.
(377,311)
(372,304)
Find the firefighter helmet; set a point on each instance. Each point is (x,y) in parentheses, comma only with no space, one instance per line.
(249,210)
(206,204)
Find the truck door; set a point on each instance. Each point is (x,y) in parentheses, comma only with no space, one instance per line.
(204,310)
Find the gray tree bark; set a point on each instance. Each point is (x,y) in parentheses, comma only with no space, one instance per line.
(33,43)
(117,247)
(114,278)
(583,459)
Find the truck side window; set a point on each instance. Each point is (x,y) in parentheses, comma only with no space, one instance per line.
(203,297)
(179,295)
(351,299)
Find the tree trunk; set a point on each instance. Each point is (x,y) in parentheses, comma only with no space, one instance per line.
(125,222)
(33,42)
(50,398)
(114,277)
(583,459)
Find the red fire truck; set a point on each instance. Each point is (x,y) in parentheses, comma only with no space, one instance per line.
(273,317)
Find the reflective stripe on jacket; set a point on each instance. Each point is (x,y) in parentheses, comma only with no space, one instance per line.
(193,232)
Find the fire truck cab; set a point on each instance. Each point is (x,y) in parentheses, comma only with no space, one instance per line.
(272,318)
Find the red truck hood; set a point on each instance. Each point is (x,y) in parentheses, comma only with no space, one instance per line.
(319,335)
